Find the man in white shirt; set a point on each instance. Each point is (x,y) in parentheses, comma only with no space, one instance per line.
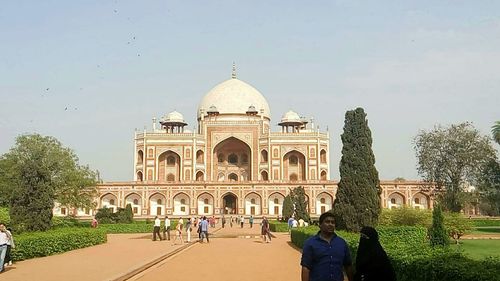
(156,228)
(4,239)
(167,228)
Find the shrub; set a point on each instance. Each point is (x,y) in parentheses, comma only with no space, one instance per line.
(277,226)
(68,221)
(405,216)
(456,225)
(41,244)
(485,222)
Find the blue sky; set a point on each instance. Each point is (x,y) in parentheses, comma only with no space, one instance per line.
(90,72)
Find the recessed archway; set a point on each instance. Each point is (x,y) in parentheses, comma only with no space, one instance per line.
(230,204)
(232,156)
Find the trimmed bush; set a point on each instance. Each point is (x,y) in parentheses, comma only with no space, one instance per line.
(40,244)
(278,226)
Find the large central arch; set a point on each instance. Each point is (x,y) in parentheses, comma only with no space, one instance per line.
(232,161)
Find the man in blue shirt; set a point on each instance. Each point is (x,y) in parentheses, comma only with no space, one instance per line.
(326,254)
(204,229)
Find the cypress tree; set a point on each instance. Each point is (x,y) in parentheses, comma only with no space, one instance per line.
(357,202)
(287,211)
(437,233)
(300,202)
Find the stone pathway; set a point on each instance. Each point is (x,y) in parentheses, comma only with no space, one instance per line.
(232,254)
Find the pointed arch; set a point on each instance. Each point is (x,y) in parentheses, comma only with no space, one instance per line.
(135,201)
(199,176)
(322,156)
(232,155)
(324,202)
(294,163)
(200,156)
(264,156)
(264,176)
(109,200)
(253,204)
(323,175)
(275,203)
(229,203)
(396,200)
(420,200)
(139,176)
(140,157)
(182,201)
(169,166)
(157,203)
(205,203)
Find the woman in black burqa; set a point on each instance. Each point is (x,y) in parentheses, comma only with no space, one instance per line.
(372,262)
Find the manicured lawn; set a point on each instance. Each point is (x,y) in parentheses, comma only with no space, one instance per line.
(480,249)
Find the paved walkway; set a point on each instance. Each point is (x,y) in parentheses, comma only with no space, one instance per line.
(232,254)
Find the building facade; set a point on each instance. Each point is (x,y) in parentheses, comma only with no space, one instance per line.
(233,163)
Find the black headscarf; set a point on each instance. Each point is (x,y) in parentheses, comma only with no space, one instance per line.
(372,262)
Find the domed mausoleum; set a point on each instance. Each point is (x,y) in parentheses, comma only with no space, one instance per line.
(233,163)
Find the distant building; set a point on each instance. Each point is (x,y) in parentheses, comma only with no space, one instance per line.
(233,163)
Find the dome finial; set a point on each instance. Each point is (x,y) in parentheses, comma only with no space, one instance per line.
(233,75)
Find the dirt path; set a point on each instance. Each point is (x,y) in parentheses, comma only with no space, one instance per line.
(232,254)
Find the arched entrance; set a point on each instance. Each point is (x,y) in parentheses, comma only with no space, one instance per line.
(229,204)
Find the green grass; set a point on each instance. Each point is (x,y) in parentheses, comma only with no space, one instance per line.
(480,249)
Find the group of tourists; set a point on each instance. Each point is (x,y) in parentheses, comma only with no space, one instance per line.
(202,224)
(326,255)
(6,246)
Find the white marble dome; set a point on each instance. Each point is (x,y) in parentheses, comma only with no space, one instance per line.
(234,96)
(291,116)
(173,116)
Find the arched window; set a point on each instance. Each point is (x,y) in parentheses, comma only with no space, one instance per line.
(170,177)
(199,176)
(264,176)
(322,200)
(111,201)
(183,201)
(252,201)
(136,202)
(205,201)
(393,201)
(417,200)
(220,177)
(232,159)
(233,177)
(263,156)
(171,161)
(244,158)
(323,156)
(139,176)
(199,156)
(293,160)
(276,201)
(323,175)
(220,158)
(140,157)
(158,202)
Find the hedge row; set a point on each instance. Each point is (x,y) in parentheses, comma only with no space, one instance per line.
(413,259)
(485,222)
(40,244)
(278,226)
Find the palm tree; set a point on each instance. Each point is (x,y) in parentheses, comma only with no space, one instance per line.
(495,130)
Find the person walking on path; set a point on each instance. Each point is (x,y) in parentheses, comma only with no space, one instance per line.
(188,229)
(223,220)
(250,220)
(178,234)
(290,223)
(231,221)
(4,238)
(265,230)
(156,228)
(94,223)
(204,229)
(372,262)
(167,229)
(242,221)
(10,246)
(325,254)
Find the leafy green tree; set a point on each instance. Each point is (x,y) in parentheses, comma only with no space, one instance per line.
(357,203)
(452,158)
(299,200)
(38,170)
(495,130)
(287,211)
(438,234)
(489,189)
(456,225)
